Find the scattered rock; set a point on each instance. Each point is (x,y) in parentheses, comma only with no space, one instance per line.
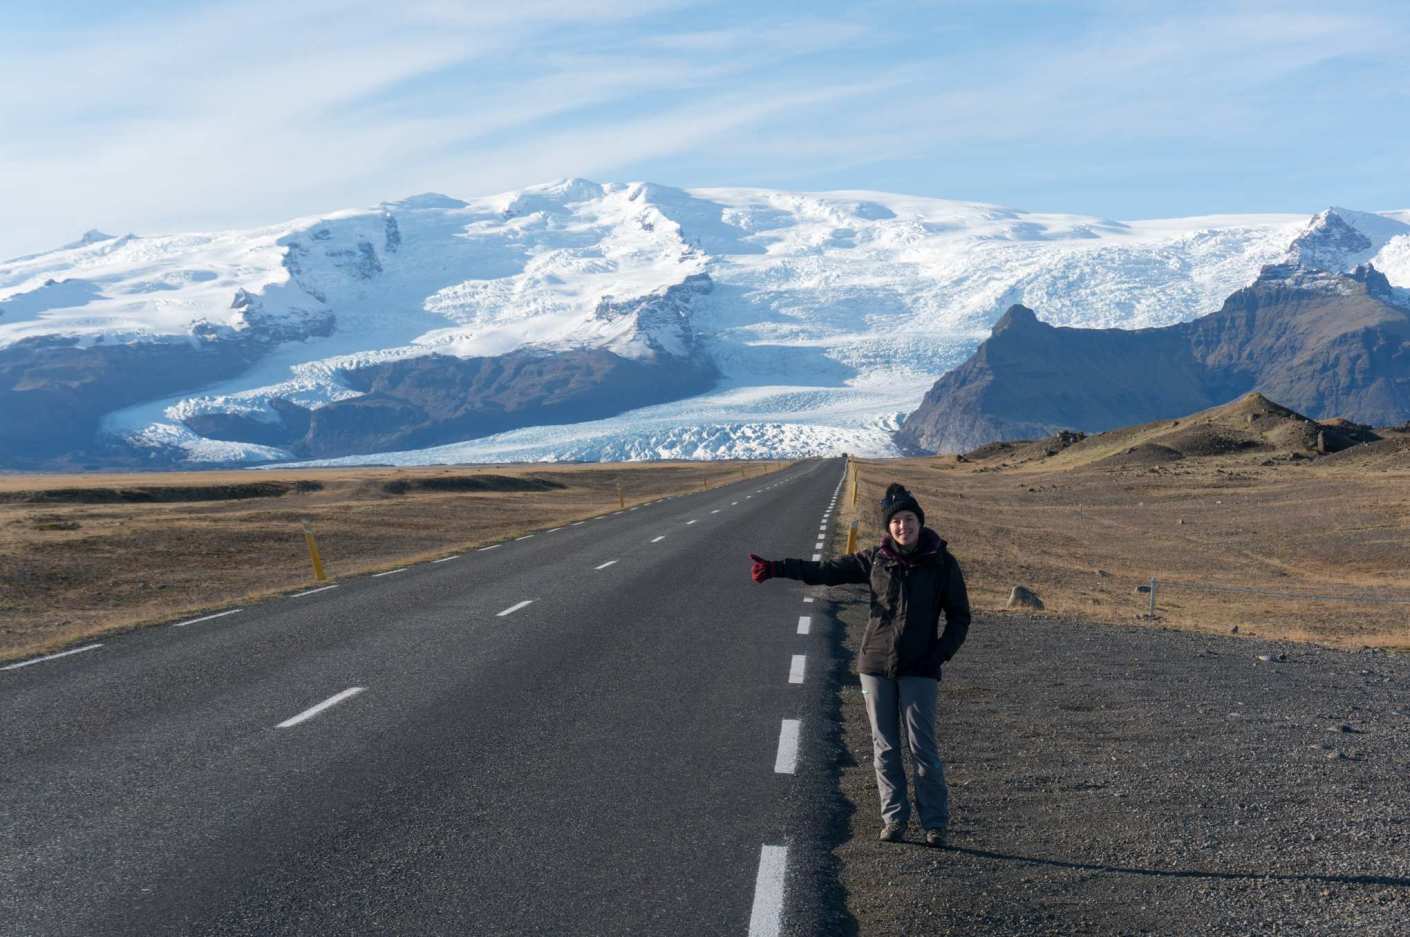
(1023,597)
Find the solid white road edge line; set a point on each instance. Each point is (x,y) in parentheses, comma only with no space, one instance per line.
(605,565)
(786,761)
(766,919)
(183,624)
(26,663)
(299,595)
(795,668)
(313,711)
(514,608)
(805,624)
(390,572)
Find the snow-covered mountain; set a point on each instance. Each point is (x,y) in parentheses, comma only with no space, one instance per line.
(816,321)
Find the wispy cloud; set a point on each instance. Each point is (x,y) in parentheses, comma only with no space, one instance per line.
(258,110)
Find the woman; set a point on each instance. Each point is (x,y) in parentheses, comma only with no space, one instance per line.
(913,579)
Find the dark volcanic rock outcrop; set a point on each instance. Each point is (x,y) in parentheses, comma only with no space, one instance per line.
(1324,344)
(54,393)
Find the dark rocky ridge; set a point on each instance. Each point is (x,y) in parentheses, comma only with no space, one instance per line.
(1321,343)
(53,394)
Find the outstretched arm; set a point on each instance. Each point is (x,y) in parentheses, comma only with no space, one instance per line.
(855,567)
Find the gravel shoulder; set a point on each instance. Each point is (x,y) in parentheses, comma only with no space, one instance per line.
(1111,779)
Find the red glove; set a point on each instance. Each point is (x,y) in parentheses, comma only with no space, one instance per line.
(764,569)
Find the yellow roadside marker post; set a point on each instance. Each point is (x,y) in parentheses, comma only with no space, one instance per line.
(852,538)
(318,572)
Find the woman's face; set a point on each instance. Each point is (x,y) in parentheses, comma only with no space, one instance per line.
(904,528)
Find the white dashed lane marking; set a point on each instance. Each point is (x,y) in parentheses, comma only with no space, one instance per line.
(490,547)
(805,624)
(659,539)
(514,608)
(183,624)
(688,523)
(26,663)
(605,565)
(315,710)
(766,918)
(807,598)
(390,572)
(818,545)
(525,537)
(817,557)
(299,595)
(447,559)
(786,761)
(795,668)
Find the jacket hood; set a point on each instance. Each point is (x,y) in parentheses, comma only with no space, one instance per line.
(927,546)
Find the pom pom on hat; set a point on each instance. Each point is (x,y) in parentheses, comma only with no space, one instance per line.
(898,499)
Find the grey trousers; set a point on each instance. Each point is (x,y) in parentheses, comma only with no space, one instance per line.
(908,701)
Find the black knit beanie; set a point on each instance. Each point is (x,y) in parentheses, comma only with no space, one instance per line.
(898,499)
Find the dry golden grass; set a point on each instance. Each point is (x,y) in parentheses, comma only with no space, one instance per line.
(1085,536)
(70,571)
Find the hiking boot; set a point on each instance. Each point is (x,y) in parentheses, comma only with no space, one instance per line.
(892,832)
(935,837)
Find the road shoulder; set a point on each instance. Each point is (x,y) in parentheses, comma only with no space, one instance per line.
(1117,780)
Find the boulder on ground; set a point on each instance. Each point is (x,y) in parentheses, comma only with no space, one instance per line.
(1023,597)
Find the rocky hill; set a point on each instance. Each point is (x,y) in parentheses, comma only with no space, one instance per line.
(1324,343)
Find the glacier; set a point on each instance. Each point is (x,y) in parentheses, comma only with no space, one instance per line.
(828,315)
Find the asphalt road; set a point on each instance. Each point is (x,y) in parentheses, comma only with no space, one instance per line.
(609,758)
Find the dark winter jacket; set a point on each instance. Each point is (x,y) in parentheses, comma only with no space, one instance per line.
(908,593)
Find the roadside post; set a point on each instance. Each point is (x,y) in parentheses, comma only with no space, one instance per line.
(1151,589)
(318,573)
(852,538)
(621,498)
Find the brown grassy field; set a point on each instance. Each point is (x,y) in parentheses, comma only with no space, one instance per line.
(81,555)
(1224,535)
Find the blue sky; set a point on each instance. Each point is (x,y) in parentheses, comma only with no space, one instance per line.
(161,116)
